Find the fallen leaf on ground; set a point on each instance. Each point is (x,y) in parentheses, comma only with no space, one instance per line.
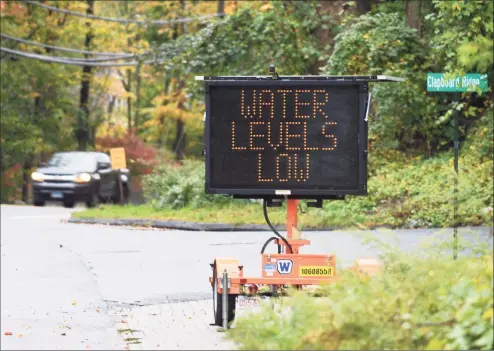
(19,335)
(74,302)
(8,333)
(124,321)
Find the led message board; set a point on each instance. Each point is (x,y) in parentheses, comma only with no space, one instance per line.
(302,138)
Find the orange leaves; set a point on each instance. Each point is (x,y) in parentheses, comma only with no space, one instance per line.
(266,7)
(162,99)
(141,158)
(8,8)
(171,111)
(231,7)
(169,106)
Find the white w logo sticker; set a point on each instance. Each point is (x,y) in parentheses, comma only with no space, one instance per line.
(284,266)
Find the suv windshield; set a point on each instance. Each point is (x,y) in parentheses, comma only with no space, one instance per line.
(73,160)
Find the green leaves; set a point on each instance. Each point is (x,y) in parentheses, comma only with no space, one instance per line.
(246,42)
(477,55)
(378,40)
(176,187)
(404,116)
(390,311)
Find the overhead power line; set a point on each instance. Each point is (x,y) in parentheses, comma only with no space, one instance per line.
(126,21)
(60,48)
(78,62)
(98,59)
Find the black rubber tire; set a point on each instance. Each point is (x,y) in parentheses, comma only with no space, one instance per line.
(39,202)
(92,201)
(126,193)
(232,302)
(116,198)
(68,203)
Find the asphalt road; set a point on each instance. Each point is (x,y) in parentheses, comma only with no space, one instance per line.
(73,286)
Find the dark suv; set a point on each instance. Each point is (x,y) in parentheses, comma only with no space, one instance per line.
(79,176)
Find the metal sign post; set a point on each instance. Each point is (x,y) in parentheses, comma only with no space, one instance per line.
(455,191)
(224,296)
(118,162)
(440,83)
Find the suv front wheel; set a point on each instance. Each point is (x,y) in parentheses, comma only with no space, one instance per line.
(39,202)
(69,203)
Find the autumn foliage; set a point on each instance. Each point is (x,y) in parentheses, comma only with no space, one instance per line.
(11,181)
(141,158)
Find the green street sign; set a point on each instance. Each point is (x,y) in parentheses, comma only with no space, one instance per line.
(443,82)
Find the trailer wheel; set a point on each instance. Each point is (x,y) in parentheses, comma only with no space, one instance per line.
(218,303)
(232,301)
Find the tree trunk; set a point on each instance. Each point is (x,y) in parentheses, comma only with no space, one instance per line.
(138,97)
(180,137)
(128,85)
(325,36)
(179,144)
(363,6)
(184,24)
(412,9)
(221,8)
(129,101)
(166,88)
(92,136)
(28,160)
(25,177)
(111,106)
(83,127)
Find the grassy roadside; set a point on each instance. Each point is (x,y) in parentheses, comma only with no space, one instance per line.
(232,214)
(334,215)
(407,194)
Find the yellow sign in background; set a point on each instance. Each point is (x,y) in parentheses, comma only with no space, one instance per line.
(117,156)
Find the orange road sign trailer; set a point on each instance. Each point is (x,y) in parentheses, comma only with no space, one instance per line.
(290,268)
(282,268)
(330,112)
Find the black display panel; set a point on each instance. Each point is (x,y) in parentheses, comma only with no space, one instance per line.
(301,139)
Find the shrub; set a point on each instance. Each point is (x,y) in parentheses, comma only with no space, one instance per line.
(421,301)
(11,183)
(141,158)
(404,115)
(177,186)
(383,43)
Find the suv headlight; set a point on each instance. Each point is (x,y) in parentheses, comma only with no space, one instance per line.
(38,177)
(82,178)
